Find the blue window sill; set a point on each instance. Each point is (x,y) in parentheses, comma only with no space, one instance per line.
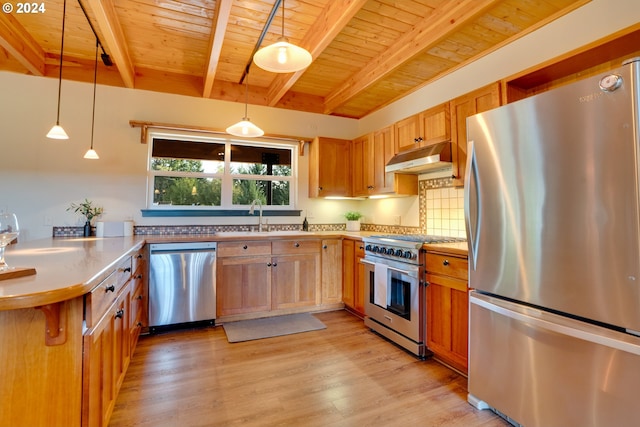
(214,212)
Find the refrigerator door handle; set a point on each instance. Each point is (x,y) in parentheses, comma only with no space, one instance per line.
(554,323)
(472,200)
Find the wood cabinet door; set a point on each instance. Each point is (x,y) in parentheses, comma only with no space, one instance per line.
(348,272)
(436,124)
(447,320)
(295,281)
(359,148)
(329,167)
(383,149)
(106,356)
(243,285)
(359,282)
(331,271)
(407,133)
(478,101)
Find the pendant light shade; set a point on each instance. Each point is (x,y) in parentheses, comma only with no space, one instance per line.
(56,131)
(282,56)
(91,153)
(244,127)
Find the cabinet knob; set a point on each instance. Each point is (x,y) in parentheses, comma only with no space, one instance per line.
(126,270)
(445,262)
(453,177)
(139,256)
(245,247)
(119,314)
(320,188)
(275,264)
(268,264)
(324,246)
(139,324)
(139,297)
(110,288)
(297,245)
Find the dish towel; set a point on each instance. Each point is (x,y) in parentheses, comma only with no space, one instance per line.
(380,274)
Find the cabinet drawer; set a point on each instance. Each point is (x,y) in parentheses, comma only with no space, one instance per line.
(102,296)
(447,265)
(359,248)
(280,247)
(227,249)
(137,261)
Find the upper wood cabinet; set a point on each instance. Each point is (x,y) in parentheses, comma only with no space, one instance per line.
(360,164)
(475,102)
(428,127)
(371,153)
(329,167)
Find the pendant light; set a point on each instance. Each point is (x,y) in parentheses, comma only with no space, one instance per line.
(91,153)
(282,56)
(56,131)
(244,127)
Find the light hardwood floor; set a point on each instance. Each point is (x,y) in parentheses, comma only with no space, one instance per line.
(344,375)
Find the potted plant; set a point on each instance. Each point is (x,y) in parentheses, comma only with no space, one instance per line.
(87,210)
(353,220)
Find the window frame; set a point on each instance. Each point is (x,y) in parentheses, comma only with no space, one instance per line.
(227,178)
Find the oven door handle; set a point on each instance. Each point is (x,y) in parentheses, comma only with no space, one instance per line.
(408,273)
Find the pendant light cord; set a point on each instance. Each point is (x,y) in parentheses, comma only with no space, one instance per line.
(282,18)
(64,12)
(246,95)
(95,76)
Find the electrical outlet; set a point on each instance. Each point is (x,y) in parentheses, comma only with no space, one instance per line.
(397,219)
(47,220)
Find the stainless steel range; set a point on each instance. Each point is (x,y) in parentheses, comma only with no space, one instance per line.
(394,288)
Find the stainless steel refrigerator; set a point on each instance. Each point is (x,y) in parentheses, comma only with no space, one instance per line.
(553,226)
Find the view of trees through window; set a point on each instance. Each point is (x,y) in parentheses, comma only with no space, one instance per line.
(194,174)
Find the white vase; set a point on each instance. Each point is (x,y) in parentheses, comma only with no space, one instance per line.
(353,225)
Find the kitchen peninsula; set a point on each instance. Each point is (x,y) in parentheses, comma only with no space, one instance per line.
(86,297)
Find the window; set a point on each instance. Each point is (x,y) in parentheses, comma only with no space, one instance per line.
(187,172)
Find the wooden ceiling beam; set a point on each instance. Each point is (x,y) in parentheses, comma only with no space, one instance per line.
(221,16)
(115,42)
(21,45)
(446,19)
(334,17)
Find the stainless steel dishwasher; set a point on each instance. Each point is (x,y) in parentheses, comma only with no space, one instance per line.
(182,284)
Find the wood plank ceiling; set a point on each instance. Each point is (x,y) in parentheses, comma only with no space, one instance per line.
(366,53)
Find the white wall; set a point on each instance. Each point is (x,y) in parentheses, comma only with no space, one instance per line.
(39,177)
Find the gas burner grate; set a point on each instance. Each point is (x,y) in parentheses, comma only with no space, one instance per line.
(423,238)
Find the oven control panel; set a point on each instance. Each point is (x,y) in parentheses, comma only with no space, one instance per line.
(392,252)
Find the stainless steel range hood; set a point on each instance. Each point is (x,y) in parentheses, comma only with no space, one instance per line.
(421,160)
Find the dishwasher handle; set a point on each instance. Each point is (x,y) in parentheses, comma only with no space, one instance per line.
(183,247)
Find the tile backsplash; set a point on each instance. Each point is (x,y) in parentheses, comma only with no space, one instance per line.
(444,211)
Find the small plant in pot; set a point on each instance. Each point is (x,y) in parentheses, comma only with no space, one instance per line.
(353,220)
(89,212)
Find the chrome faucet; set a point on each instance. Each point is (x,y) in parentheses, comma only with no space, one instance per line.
(252,208)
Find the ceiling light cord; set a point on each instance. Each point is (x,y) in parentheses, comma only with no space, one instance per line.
(91,153)
(64,13)
(95,77)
